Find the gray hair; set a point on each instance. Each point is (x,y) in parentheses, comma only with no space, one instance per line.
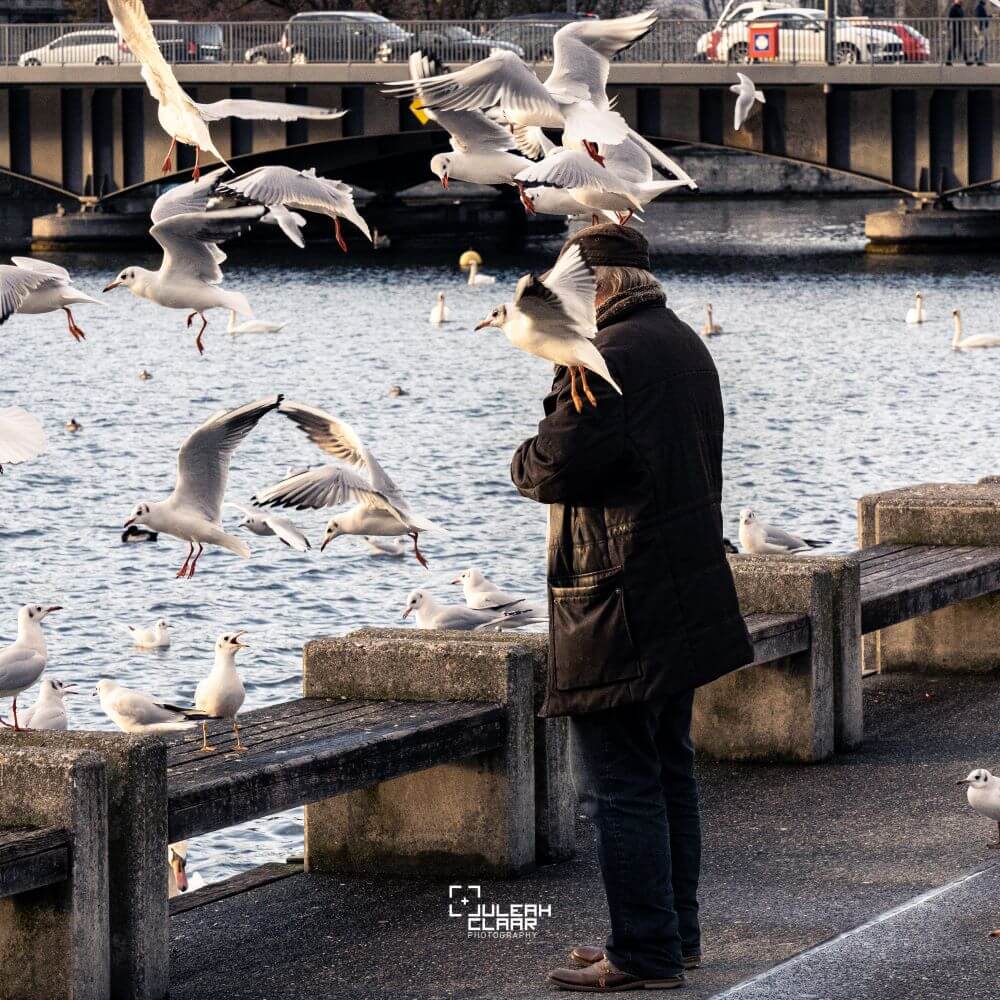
(613,280)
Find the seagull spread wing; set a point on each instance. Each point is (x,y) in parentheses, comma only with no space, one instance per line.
(193,196)
(531,141)
(137,33)
(582,53)
(569,169)
(340,440)
(326,486)
(189,239)
(203,459)
(629,161)
(287,532)
(501,78)
(42,267)
(17,283)
(562,303)
(21,436)
(274,111)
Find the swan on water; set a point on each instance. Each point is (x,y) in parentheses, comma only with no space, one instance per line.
(958,343)
(711,328)
(916,314)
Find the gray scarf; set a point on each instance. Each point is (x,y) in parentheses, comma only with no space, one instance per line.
(618,306)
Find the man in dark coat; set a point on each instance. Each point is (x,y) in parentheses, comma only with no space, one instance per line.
(956,33)
(642,606)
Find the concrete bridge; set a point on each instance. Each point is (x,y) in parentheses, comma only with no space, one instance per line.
(74,132)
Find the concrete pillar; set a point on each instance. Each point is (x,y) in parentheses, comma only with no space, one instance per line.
(870,129)
(5,129)
(221,130)
(805,123)
(471,816)
(626,103)
(326,97)
(960,152)
(964,637)
(381,115)
(157,141)
(923,134)
(46,134)
(137,851)
(679,113)
(803,707)
(268,135)
(54,941)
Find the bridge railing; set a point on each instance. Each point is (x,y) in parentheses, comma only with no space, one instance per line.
(801,38)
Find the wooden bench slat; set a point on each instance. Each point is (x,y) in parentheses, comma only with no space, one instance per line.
(399,738)
(916,561)
(928,583)
(876,552)
(31,859)
(776,636)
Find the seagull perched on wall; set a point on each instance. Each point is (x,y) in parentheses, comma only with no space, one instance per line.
(573,98)
(34,286)
(983,794)
(380,508)
(182,118)
(49,710)
(432,614)
(555,319)
(758,537)
(135,712)
(189,276)
(193,512)
(21,437)
(746,93)
(282,190)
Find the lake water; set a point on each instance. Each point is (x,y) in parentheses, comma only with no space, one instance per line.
(829,395)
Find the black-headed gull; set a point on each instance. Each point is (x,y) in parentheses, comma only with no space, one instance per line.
(746,94)
(193,512)
(484,595)
(21,437)
(237,327)
(976,341)
(189,276)
(262,522)
(392,547)
(182,118)
(573,98)
(284,191)
(157,637)
(432,614)
(983,794)
(24,660)
(380,507)
(759,537)
(555,319)
(34,286)
(135,712)
(221,694)
(49,709)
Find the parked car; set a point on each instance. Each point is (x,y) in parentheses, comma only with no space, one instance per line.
(916,47)
(190,42)
(93,47)
(330,36)
(447,44)
(802,39)
(533,33)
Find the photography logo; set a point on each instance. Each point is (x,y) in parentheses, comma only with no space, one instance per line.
(494,920)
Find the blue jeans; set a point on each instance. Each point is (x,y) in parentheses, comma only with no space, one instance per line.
(633,768)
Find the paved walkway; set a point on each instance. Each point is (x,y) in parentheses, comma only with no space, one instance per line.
(794,857)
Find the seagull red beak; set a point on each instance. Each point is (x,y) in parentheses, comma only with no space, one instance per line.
(485,323)
(458,579)
(236,640)
(406,611)
(129,522)
(57,607)
(108,287)
(444,181)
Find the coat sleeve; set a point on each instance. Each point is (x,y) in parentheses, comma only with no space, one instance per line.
(565,460)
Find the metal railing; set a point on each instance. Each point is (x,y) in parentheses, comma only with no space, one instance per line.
(800,39)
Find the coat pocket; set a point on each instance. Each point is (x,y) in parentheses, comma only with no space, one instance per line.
(590,638)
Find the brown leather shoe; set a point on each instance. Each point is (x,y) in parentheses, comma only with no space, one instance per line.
(586,954)
(603,977)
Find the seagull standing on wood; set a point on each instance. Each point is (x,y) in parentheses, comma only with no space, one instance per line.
(21,437)
(555,319)
(758,537)
(49,711)
(983,794)
(22,662)
(193,512)
(135,712)
(183,119)
(380,507)
(35,286)
(221,694)
(746,93)
(284,192)
(573,98)
(189,277)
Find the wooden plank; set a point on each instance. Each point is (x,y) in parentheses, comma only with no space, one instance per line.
(956,573)
(247,881)
(408,737)
(875,552)
(775,636)
(31,859)
(927,561)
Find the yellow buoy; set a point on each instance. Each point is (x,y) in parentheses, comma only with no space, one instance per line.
(469,258)
(417,109)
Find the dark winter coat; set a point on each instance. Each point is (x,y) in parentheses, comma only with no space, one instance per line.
(641,599)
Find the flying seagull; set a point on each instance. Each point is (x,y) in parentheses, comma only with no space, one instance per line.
(182,118)
(33,286)
(747,94)
(21,436)
(553,318)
